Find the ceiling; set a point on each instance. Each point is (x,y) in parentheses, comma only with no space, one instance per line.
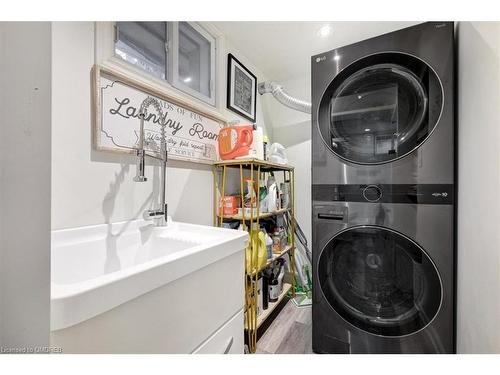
(282,50)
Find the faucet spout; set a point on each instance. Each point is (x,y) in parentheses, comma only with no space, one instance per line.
(160,214)
(140,177)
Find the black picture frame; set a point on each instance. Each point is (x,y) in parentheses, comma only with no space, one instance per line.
(241,104)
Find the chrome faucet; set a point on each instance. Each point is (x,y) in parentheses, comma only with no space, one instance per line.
(160,214)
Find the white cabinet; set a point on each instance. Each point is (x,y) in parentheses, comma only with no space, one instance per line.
(176,318)
(227,340)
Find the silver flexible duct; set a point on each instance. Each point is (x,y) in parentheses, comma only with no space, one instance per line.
(277,91)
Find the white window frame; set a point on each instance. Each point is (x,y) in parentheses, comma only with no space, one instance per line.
(173,61)
(104,55)
(172,64)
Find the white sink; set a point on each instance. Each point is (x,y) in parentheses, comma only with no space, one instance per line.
(97,268)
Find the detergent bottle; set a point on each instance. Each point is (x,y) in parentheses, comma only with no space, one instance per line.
(235,141)
(256,253)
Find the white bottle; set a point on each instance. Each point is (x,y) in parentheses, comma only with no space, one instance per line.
(274,290)
(257,150)
(269,246)
(281,275)
(272,198)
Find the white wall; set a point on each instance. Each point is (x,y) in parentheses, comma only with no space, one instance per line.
(25,184)
(91,187)
(479,186)
(293,130)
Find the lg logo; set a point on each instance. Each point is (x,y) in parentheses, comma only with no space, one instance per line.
(319,59)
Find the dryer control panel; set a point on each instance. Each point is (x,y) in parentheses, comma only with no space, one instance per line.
(385,193)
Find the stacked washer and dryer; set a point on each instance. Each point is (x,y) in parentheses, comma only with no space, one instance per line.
(383,182)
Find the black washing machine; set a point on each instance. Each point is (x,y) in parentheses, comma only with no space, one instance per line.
(383,194)
(382,109)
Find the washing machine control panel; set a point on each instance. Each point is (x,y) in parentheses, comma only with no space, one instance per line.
(372,193)
(385,193)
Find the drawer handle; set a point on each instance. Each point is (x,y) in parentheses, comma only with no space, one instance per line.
(330,217)
(228,346)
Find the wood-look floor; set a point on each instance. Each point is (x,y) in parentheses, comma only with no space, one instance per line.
(289,333)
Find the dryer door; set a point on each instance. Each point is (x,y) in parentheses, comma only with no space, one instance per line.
(379,281)
(380,108)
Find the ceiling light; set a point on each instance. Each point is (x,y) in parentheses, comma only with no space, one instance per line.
(187,79)
(324,31)
(367,130)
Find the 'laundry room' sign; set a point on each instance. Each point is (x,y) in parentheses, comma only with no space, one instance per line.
(190,135)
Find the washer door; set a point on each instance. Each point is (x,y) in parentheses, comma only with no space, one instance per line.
(380,108)
(379,281)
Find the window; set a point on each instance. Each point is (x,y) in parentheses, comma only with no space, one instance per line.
(143,44)
(181,53)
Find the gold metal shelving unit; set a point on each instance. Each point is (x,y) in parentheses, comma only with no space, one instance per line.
(254,169)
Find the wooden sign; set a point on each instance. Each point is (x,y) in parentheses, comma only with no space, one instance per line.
(190,135)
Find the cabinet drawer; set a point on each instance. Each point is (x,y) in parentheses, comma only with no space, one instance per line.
(226,340)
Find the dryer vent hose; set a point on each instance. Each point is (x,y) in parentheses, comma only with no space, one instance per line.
(277,91)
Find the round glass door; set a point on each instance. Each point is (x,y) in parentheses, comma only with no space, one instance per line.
(379,281)
(380,108)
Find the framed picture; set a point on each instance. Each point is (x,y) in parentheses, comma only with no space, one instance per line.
(241,89)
